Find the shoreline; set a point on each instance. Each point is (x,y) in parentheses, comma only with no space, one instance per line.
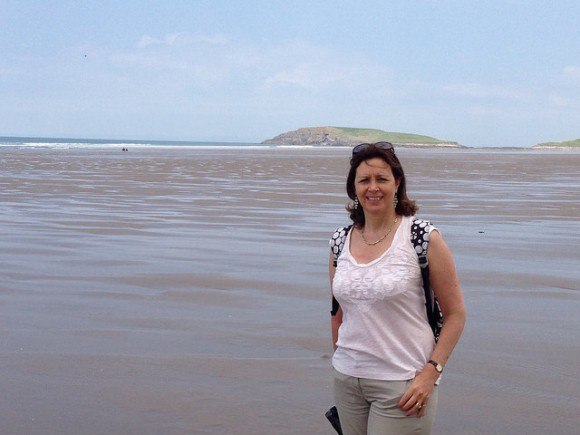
(70,143)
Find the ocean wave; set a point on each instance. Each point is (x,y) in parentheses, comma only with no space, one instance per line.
(105,144)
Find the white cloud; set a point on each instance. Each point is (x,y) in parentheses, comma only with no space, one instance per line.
(571,74)
(148,61)
(181,39)
(481,91)
(298,65)
(265,71)
(147,40)
(169,40)
(560,102)
(310,76)
(218,39)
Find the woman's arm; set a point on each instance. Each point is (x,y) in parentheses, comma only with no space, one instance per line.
(336,320)
(443,278)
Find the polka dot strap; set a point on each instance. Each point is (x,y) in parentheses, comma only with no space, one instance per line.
(420,230)
(337,242)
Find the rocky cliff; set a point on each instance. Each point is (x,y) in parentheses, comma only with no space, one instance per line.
(341,136)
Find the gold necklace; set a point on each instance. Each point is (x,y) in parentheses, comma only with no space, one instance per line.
(362,233)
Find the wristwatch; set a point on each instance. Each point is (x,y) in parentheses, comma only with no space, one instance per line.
(437,366)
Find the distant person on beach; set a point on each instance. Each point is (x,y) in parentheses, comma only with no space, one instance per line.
(387,362)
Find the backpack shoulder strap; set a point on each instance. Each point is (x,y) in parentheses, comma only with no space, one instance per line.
(337,242)
(420,230)
(420,238)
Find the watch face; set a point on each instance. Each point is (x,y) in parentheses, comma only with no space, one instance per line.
(437,366)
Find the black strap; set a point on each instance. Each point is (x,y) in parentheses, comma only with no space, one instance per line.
(336,245)
(335,307)
(420,239)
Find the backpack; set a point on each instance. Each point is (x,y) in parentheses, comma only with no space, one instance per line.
(420,240)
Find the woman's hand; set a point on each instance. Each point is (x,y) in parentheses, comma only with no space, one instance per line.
(416,398)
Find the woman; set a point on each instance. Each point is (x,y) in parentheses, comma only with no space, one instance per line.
(386,360)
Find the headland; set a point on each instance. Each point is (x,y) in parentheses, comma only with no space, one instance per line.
(558,145)
(343,136)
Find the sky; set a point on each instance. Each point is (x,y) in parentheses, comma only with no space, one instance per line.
(481,73)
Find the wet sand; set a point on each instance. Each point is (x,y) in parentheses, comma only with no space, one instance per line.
(186,291)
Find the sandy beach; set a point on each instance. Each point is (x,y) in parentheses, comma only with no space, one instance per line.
(184,291)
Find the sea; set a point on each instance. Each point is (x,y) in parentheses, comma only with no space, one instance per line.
(68,143)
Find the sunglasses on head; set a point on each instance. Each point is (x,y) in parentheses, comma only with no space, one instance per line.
(382,145)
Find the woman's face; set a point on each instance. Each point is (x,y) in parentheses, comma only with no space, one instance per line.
(375,186)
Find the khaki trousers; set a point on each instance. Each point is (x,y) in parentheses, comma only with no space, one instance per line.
(369,407)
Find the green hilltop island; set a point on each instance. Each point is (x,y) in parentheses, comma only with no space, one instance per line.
(342,136)
(558,145)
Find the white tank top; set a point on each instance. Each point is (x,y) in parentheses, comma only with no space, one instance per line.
(384,332)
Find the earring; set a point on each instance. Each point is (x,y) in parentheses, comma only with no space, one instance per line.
(355,202)
(395,201)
